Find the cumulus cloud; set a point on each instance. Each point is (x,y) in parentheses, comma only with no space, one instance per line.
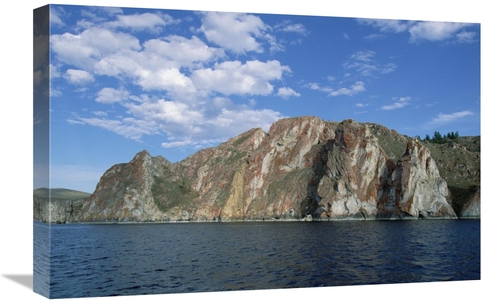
(236,32)
(82,50)
(352,90)
(172,86)
(233,77)
(78,77)
(287,92)
(111,95)
(433,31)
(400,103)
(183,51)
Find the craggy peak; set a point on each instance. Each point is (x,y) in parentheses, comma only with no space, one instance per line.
(304,168)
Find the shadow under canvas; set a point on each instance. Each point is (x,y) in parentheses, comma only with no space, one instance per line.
(24,280)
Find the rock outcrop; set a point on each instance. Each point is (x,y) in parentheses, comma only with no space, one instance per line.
(472,209)
(57,205)
(303,169)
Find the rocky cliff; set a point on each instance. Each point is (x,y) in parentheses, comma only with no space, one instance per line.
(472,209)
(303,168)
(57,205)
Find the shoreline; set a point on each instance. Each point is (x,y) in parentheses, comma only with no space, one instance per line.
(250,221)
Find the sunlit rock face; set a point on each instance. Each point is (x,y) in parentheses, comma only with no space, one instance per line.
(304,168)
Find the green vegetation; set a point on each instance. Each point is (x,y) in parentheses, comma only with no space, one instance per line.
(168,194)
(241,139)
(59,194)
(440,139)
(458,160)
(459,163)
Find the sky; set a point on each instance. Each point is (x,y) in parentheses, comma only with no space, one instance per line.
(175,81)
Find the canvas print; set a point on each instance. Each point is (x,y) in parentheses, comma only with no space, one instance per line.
(182,151)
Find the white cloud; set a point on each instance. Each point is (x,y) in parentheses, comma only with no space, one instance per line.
(287,92)
(111,95)
(177,144)
(433,31)
(140,21)
(54,72)
(365,56)
(313,85)
(230,123)
(374,36)
(466,37)
(391,26)
(364,64)
(448,118)
(85,49)
(420,30)
(183,51)
(183,125)
(233,31)
(169,79)
(78,77)
(352,90)
(233,77)
(129,127)
(55,16)
(165,112)
(400,103)
(100,113)
(192,81)
(288,26)
(317,86)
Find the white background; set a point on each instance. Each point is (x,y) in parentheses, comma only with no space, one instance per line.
(16,119)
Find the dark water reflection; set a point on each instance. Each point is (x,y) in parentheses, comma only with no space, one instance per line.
(109,260)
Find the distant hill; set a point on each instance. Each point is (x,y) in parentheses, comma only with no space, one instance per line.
(59,194)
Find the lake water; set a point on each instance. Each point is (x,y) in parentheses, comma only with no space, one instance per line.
(89,260)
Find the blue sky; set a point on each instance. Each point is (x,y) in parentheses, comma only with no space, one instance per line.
(173,82)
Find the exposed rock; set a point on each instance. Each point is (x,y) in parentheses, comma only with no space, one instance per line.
(472,209)
(57,205)
(303,169)
(417,188)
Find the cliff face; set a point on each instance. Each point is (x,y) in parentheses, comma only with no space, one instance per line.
(302,168)
(472,209)
(57,205)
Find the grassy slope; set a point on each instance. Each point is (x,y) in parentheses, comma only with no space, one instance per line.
(458,161)
(59,194)
(461,168)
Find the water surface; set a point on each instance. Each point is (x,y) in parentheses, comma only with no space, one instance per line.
(89,260)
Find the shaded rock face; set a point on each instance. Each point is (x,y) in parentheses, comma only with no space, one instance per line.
(302,168)
(56,210)
(472,209)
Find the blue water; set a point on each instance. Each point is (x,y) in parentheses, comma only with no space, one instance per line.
(108,260)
